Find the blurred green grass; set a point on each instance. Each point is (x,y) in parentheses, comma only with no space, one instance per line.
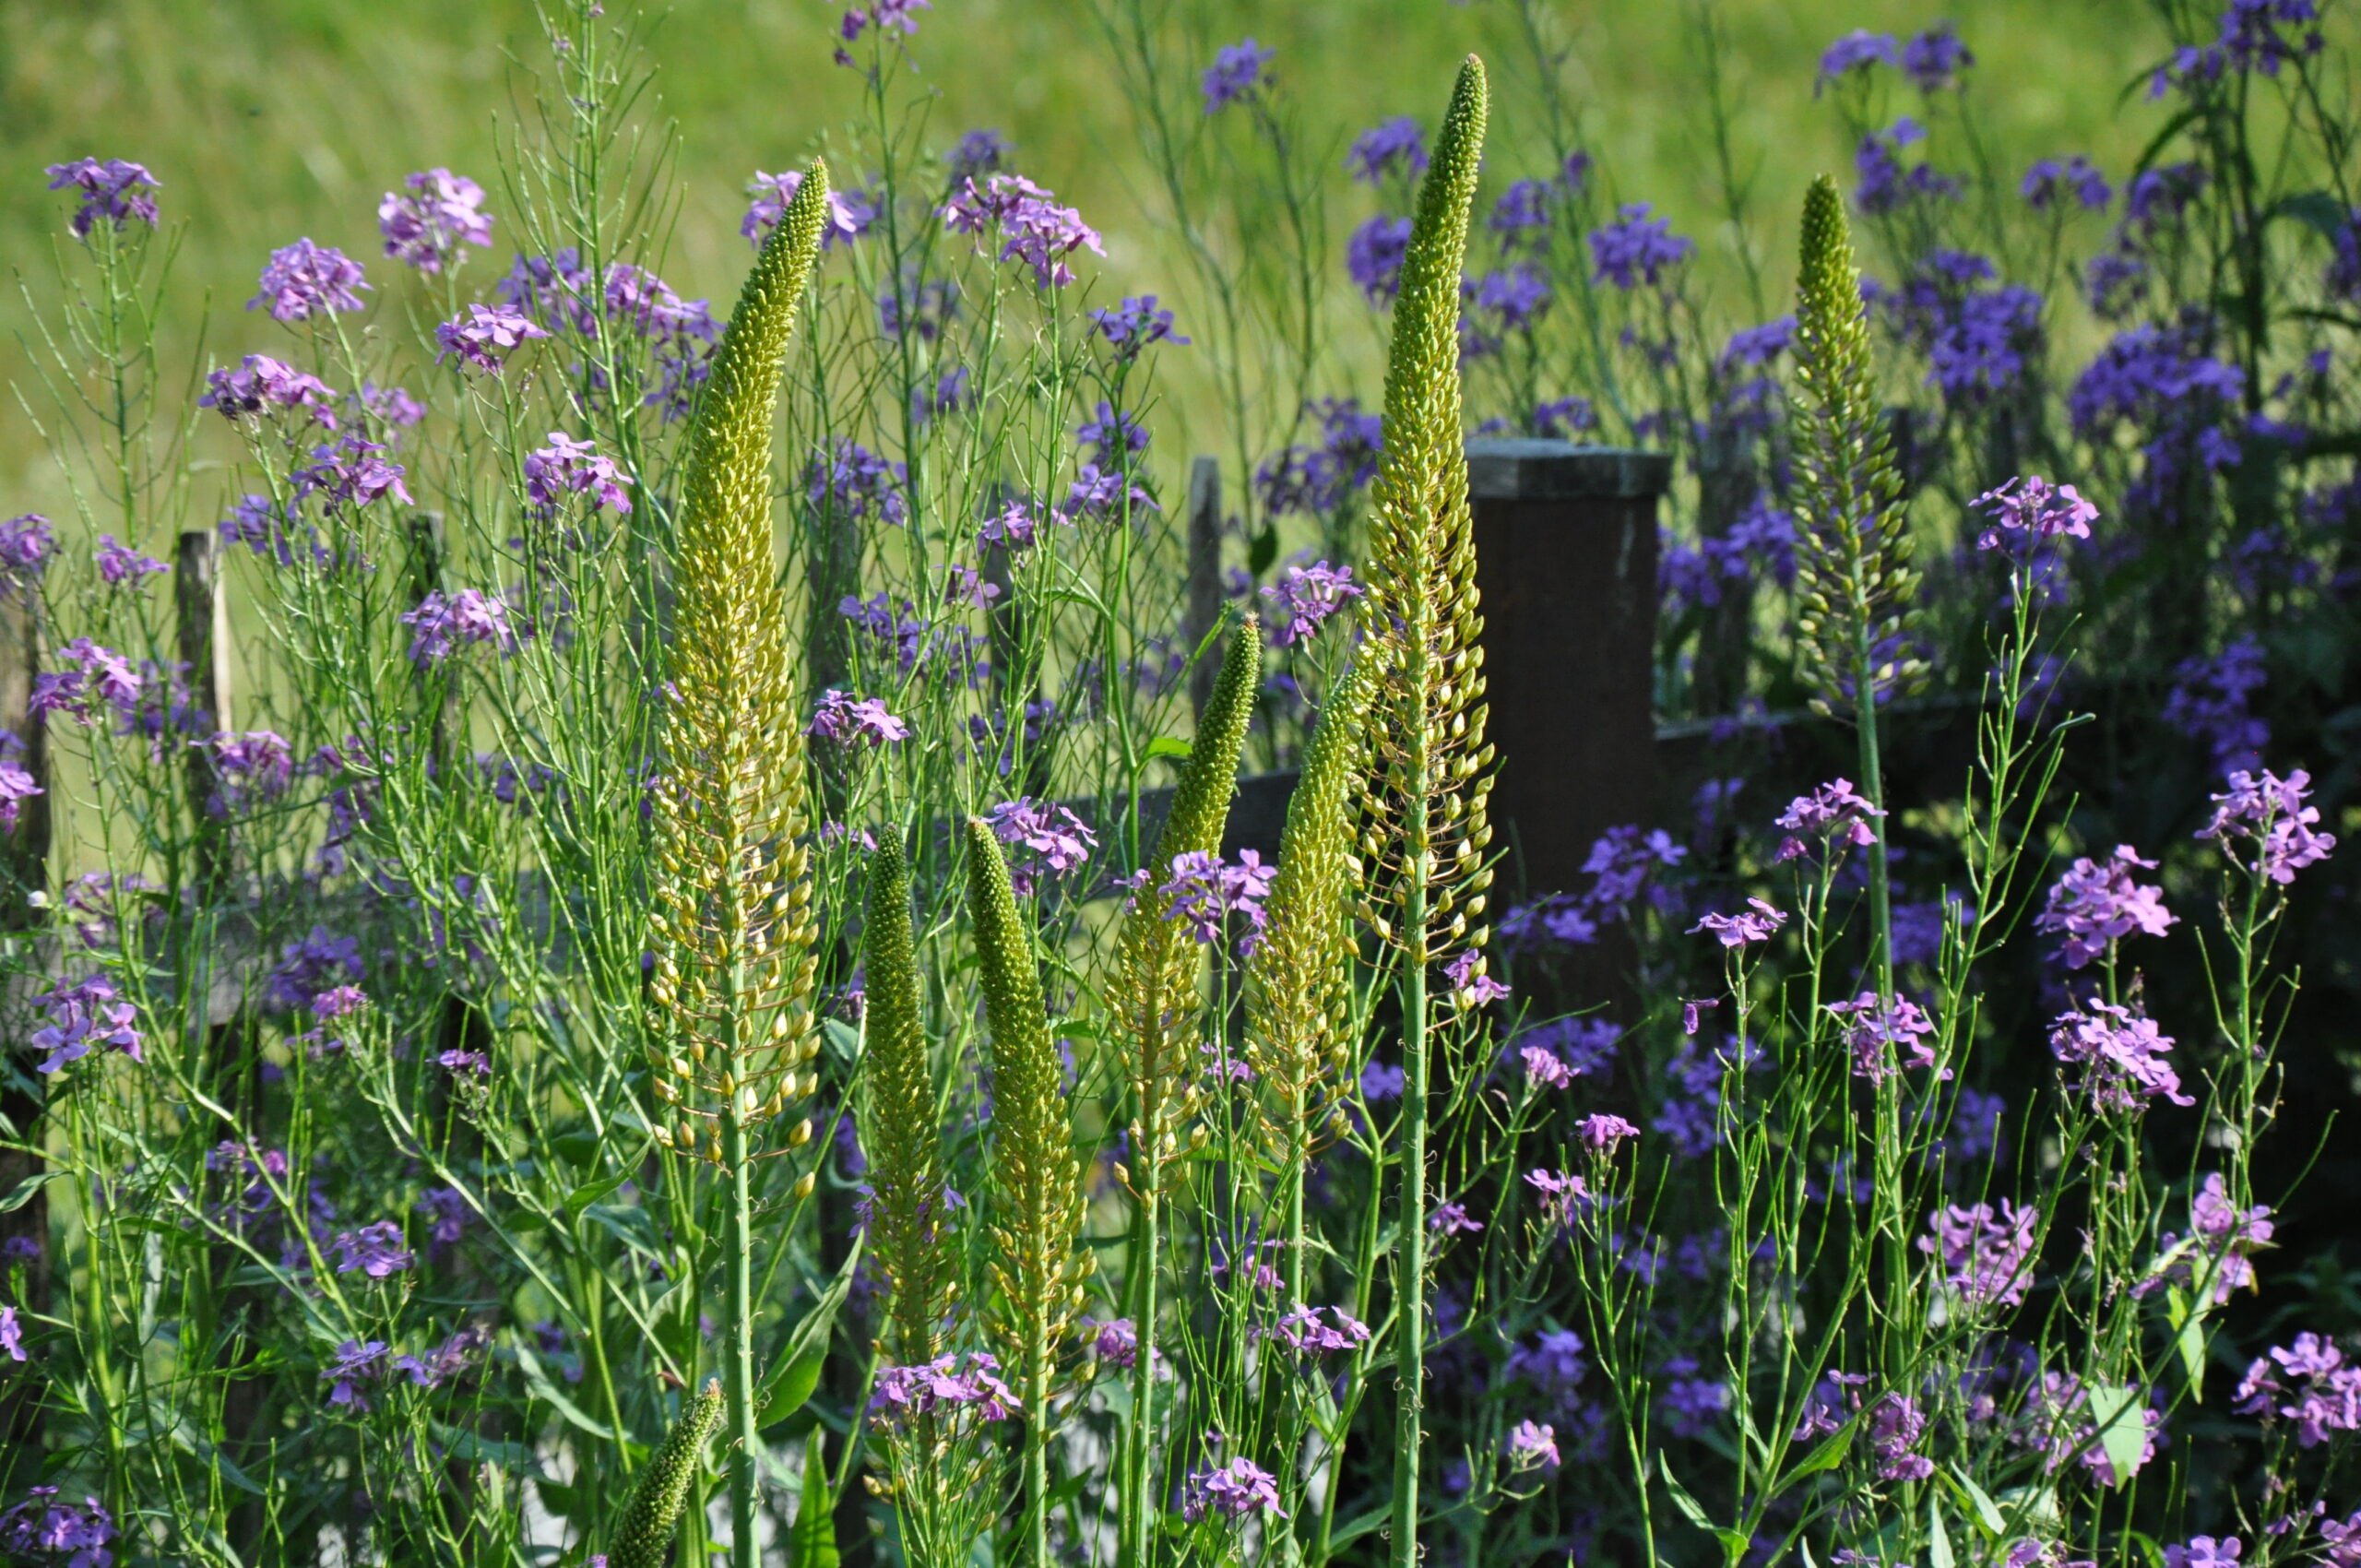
(267,119)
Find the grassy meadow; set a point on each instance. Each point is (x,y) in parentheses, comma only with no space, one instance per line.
(269,119)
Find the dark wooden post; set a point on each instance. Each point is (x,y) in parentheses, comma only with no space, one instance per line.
(1566,561)
(24,872)
(1205,572)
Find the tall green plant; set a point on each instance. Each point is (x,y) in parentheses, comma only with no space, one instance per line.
(733,911)
(1430,772)
(1035,1181)
(1154,997)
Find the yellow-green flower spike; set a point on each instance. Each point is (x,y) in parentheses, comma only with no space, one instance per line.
(1855,587)
(1434,770)
(907,1213)
(1037,1181)
(644,1538)
(1155,986)
(1300,983)
(733,913)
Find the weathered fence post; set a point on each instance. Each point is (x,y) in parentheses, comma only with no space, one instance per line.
(1566,561)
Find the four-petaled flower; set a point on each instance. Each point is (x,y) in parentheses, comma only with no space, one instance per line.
(1759,922)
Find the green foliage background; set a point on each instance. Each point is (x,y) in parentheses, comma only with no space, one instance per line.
(267,119)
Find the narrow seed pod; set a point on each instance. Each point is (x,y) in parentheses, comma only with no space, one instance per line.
(643,1537)
(909,1210)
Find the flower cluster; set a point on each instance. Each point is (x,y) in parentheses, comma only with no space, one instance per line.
(849,215)
(1232,1490)
(1305,1335)
(474,336)
(941,1387)
(1033,230)
(114,192)
(443,622)
(1049,839)
(2218,1253)
(2097,905)
(1759,922)
(2308,1383)
(847,481)
(1236,74)
(260,384)
(2122,1056)
(41,1525)
(2264,825)
(425,223)
(1832,812)
(1885,1036)
(304,280)
(1636,248)
(1134,324)
(568,467)
(1304,598)
(846,722)
(81,1017)
(1987,1254)
(1206,891)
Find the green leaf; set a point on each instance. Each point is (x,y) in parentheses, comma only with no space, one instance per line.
(1827,1457)
(1263,551)
(844,1040)
(1362,1523)
(537,1380)
(811,1541)
(1939,1541)
(796,1371)
(1987,1513)
(2189,1335)
(1733,1542)
(22,1192)
(1168,745)
(2116,1408)
(582,1197)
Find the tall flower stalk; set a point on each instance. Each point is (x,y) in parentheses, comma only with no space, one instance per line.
(908,1212)
(1430,771)
(1153,995)
(733,913)
(1035,1181)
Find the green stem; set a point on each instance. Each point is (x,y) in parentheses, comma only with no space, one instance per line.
(1137,1533)
(1410,1332)
(745,1442)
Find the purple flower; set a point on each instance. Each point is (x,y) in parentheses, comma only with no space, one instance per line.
(1691,1403)
(116,190)
(1447,1219)
(2210,702)
(1987,1254)
(1304,1335)
(2268,815)
(441,624)
(1545,1068)
(81,1017)
(2221,1242)
(355,1363)
(1469,984)
(886,15)
(850,481)
(261,383)
(1759,923)
(1532,1446)
(374,1250)
(943,1386)
(2047,180)
(1394,147)
(1561,1191)
(2203,1551)
(569,467)
(447,1361)
(1855,53)
(1554,1366)
(980,151)
(1885,1037)
(1636,248)
(849,212)
(351,473)
(1050,837)
(253,765)
(484,328)
(1205,891)
(1562,417)
(304,279)
(1304,597)
(2121,1054)
(1601,1133)
(1118,1343)
(318,963)
(1015,528)
(11,1333)
(1237,1488)
(1134,325)
(1520,218)
(427,226)
(2098,905)
(445,1211)
(847,722)
(92,676)
(1831,811)
(1885,185)
(2033,510)
(1033,230)
(1374,256)
(1236,74)
(1097,493)
(1895,1429)
(16,787)
(25,545)
(117,562)
(1935,58)
(1116,436)
(2325,1396)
